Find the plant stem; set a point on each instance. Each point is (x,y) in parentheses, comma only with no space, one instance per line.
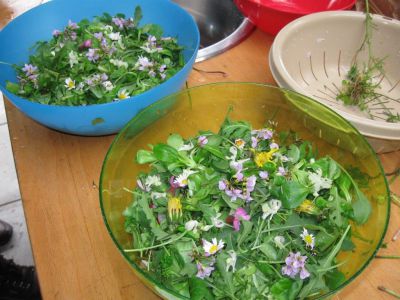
(388,256)
(390,292)
(157,246)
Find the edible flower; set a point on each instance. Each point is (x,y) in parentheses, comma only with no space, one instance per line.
(182,179)
(240,214)
(319,182)
(271,208)
(261,158)
(295,264)
(143,63)
(73,58)
(92,55)
(56,32)
(281,171)
(203,270)
(264,133)
(279,241)
(69,84)
(174,208)
(202,141)
(308,238)
(122,94)
(231,261)
(240,143)
(72,25)
(210,248)
(119,22)
(308,207)
(263,175)
(191,225)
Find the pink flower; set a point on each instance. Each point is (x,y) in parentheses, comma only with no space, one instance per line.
(240,214)
(202,140)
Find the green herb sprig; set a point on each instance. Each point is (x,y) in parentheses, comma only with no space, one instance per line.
(360,88)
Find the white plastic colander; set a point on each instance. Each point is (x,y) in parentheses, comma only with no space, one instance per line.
(313,54)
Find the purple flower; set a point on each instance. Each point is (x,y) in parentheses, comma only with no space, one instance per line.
(251,183)
(203,270)
(119,22)
(104,77)
(240,214)
(104,42)
(29,69)
(162,75)
(264,134)
(263,174)
(152,73)
(89,82)
(162,68)
(254,142)
(72,25)
(144,63)
(92,55)
(202,140)
(86,44)
(234,194)
(274,146)
(282,171)
(238,167)
(152,39)
(73,35)
(173,184)
(222,185)
(56,32)
(295,264)
(98,35)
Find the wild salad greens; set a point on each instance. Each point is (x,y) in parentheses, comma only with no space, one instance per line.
(104,60)
(235,215)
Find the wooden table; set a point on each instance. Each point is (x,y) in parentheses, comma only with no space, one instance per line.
(58,176)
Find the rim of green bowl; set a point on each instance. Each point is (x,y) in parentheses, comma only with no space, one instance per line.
(159,284)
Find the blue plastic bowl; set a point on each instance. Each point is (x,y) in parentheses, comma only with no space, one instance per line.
(99,119)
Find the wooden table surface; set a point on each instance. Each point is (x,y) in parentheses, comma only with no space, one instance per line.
(59,173)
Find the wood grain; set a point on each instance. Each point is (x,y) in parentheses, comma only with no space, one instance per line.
(58,176)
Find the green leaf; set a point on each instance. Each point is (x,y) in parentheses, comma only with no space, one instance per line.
(175,141)
(293,154)
(165,153)
(145,157)
(361,207)
(198,289)
(334,279)
(286,289)
(12,87)
(214,150)
(137,16)
(293,194)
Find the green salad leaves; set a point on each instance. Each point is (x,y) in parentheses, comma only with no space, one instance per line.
(104,60)
(235,215)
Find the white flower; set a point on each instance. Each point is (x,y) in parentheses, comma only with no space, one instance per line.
(186,147)
(213,247)
(122,94)
(191,225)
(119,63)
(108,28)
(240,143)
(319,182)
(308,238)
(233,150)
(279,241)
(108,85)
(182,180)
(152,180)
(231,261)
(217,222)
(80,86)
(73,58)
(69,84)
(156,195)
(53,53)
(271,208)
(115,36)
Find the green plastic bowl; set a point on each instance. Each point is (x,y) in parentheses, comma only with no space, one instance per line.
(204,108)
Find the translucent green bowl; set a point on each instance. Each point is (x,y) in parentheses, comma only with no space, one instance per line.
(204,108)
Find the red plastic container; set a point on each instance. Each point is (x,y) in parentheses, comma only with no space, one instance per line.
(272,15)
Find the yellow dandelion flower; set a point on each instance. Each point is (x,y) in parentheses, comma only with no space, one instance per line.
(261,158)
(174,207)
(308,207)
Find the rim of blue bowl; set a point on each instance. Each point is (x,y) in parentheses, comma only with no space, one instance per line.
(179,296)
(191,59)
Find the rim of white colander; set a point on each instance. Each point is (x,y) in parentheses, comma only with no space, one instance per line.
(368,127)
